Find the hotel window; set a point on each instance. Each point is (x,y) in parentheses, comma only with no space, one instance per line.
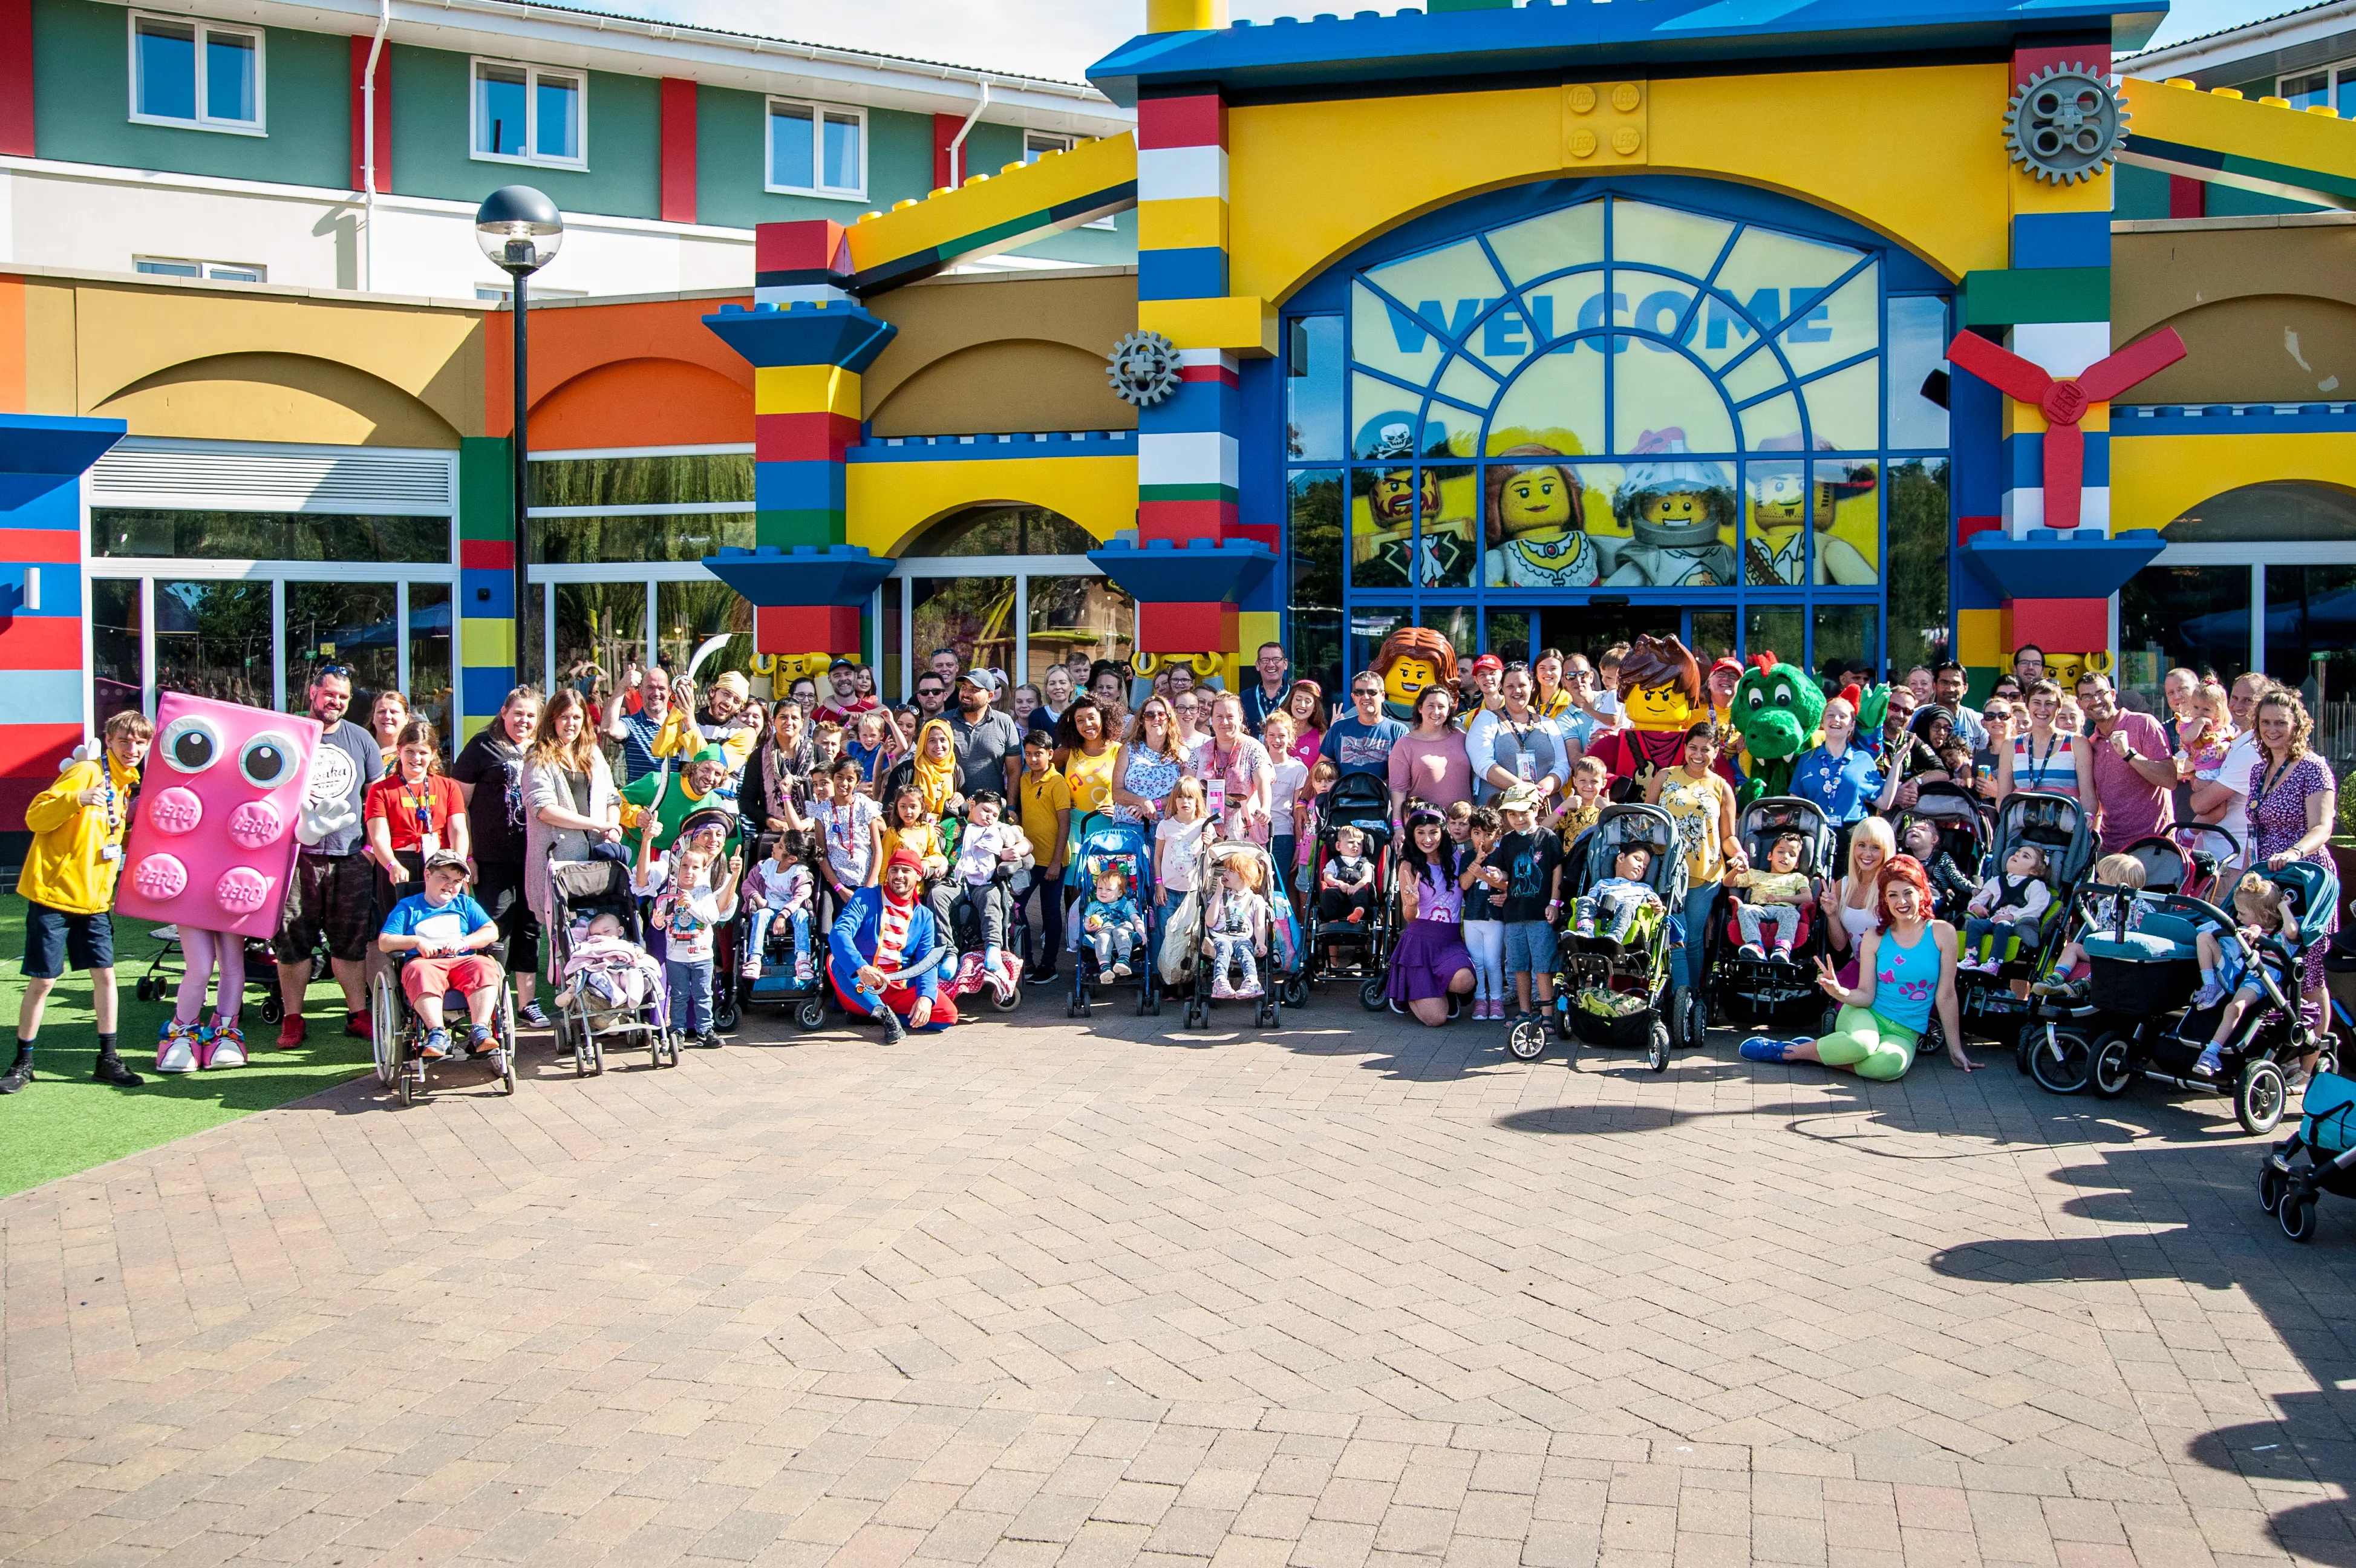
(215,272)
(196,74)
(818,149)
(524,114)
(2327,86)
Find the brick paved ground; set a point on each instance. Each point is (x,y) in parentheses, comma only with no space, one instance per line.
(1353,1293)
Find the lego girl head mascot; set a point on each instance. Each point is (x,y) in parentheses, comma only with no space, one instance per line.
(1536,524)
(228,796)
(1412,660)
(1776,549)
(1660,692)
(1676,508)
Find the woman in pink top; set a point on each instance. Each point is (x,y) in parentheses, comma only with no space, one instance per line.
(1430,764)
(1306,704)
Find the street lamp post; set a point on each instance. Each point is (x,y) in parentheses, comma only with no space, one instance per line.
(519,230)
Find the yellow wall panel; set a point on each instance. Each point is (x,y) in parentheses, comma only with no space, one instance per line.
(1239,324)
(891,503)
(2156,478)
(1192,222)
(806,389)
(482,642)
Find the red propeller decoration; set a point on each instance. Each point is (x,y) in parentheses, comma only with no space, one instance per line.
(2064,400)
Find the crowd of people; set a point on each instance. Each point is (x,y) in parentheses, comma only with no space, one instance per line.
(1509,767)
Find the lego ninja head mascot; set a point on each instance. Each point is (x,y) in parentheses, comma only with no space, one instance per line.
(1412,660)
(1676,508)
(1776,549)
(1776,710)
(1536,524)
(1660,692)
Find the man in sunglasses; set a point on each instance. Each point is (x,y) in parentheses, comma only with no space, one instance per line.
(1362,742)
(332,893)
(931,694)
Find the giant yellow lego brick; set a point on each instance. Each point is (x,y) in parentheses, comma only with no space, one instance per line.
(1194,223)
(947,219)
(889,504)
(806,389)
(1980,640)
(484,642)
(2257,146)
(2156,480)
(1239,323)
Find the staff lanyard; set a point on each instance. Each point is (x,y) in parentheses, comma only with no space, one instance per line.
(422,806)
(2038,764)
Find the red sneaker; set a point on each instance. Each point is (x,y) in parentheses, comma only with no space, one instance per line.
(291,1032)
(356,1026)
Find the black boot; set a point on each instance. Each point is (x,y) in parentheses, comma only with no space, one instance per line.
(19,1075)
(110,1070)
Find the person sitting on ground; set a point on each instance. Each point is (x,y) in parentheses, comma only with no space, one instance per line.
(1770,917)
(781,888)
(2009,905)
(1112,923)
(1345,893)
(882,954)
(608,968)
(67,886)
(2261,912)
(1609,911)
(444,931)
(2069,979)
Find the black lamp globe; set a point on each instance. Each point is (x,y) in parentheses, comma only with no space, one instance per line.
(519,229)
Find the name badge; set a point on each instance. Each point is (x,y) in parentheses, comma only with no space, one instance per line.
(110,852)
(1218,796)
(429,844)
(1525,766)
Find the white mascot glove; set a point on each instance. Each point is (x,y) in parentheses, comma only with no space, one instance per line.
(323,819)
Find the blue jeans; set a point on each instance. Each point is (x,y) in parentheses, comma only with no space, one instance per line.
(691,994)
(1699,901)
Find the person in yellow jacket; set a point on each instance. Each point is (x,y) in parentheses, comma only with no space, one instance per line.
(67,886)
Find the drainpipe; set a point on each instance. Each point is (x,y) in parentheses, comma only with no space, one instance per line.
(956,143)
(368,146)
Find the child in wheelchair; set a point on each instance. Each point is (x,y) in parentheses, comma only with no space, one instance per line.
(437,938)
(782,888)
(990,852)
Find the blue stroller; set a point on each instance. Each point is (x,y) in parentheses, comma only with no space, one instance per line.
(1109,845)
(2326,1137)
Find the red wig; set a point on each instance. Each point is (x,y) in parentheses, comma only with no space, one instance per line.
(1900,868)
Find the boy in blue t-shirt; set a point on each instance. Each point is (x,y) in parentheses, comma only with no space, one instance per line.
(443,931)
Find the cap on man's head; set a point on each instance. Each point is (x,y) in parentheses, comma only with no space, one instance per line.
(1488,661)
(989,681)
(708,754)
(448,860)
(842,664)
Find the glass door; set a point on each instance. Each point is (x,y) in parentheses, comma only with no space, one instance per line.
(1018,613)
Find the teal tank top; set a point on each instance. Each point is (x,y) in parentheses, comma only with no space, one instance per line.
(1906,978)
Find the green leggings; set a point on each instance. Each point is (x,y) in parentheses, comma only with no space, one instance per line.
(1863,1040)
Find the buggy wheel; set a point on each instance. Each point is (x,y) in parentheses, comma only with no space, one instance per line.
(404,1084)
(2297,1215)
(1075,1008)
(1370,995)
(811,1015)
(1268,1013)
(1527,1041)
(726,1011)
(597,1049)
(1008,1003)
(274,1009)
(506,1059)
(2112,1076)
(2258,1101)
(1198,1015)
(146,988)
(1658,1048)
(2032,1035)
(2061,1060)
(384,1030)
(1295,991)
(2270,1186)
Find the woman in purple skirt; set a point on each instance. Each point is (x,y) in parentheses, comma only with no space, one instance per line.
(1430,961)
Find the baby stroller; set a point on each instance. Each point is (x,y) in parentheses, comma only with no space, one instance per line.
(1956,815)
(1760,987)
(579,891)
(1183,960)
(2328,1141)
(2144,979)
(776,986)
(165,968)
(1617,995)
(2186,859)
(2060,827)
(1106,844)
(1360,950)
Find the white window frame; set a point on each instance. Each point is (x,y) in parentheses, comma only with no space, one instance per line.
(818,112)
(257,126)
(578,75)
(207,272)
(2337,74)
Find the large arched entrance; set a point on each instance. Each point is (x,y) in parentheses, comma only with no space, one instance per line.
(1010,587)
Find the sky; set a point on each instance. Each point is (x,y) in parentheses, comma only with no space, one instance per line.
(1062,37)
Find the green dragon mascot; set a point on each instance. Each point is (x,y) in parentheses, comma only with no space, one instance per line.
(1776,710)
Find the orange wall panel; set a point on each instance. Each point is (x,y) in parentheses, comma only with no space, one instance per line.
(642,403)
(569,341)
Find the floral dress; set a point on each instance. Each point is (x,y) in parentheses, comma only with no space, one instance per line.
(2277,821)
(1151,777)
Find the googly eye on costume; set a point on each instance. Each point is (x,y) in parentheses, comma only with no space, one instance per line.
(268,759)
(190,744)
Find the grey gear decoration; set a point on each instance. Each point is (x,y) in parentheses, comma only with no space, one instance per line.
(1143,369)
(2065,124)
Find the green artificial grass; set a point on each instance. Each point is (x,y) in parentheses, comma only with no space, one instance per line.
(66,1120)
